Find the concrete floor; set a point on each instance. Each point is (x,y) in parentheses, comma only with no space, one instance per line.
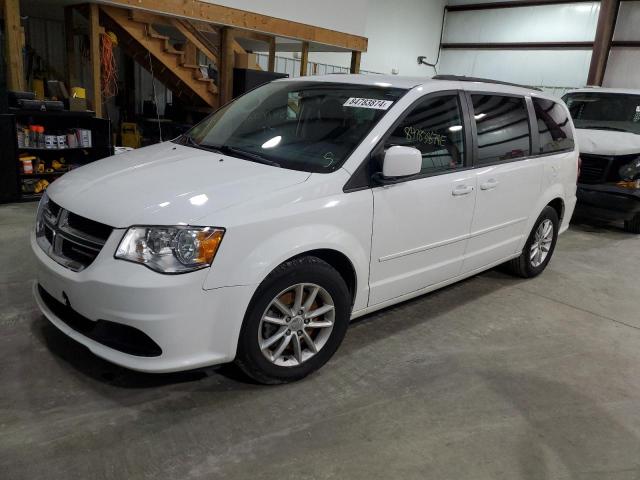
(492,378)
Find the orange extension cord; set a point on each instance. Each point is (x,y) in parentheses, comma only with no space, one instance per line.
(109,83)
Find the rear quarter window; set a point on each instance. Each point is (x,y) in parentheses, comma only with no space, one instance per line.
(554,126)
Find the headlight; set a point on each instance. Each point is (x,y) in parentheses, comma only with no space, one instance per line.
(171,249)
(630,171)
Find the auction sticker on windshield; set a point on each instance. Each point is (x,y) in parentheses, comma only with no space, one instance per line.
(368,103)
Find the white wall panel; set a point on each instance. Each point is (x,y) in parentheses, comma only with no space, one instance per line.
(628,23)
(549,68)
(398,34)
(623,68)
(548,23)
(343,16)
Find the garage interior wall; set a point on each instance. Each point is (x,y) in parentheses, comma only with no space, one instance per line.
(567,22)
(347,17)
(623,67)
(397,35)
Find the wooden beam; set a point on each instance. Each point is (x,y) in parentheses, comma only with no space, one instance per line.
(70,46)
(272,55)
(304,59)
(227,60)
(233,17)
(94,58)
(355,61)
(14,45)
(260,37)
(602,43)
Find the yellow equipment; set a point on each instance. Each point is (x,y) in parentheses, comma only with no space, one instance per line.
(130,135)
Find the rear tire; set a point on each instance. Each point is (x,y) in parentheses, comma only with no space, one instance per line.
(539,248)
(633,225)
(283,337)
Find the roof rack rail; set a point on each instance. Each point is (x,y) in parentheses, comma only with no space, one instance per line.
(462,78)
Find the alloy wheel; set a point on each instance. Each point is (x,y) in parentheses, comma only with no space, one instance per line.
(541,243)
(296,324)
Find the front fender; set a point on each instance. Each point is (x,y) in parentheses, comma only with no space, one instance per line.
(249,252)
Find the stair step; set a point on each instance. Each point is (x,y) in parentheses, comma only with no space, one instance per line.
(173,51)
(153,34)
(193,67)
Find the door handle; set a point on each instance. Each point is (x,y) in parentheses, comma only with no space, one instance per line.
(462,190)
(490,184)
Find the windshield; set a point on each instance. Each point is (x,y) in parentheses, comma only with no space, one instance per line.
(311,126)
(605,111)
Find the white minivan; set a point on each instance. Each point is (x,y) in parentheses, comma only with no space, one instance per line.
(308,202)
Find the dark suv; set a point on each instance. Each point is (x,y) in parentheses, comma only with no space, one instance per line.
(607,125)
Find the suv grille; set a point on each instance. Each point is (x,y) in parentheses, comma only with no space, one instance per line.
(594,168)
(71,240)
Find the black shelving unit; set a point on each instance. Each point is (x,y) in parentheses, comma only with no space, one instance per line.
(11,175)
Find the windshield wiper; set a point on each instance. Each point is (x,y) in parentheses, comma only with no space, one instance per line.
(254,157)
(604,127)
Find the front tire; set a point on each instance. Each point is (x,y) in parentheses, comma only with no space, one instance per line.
(295,322)
(539,248)
(633,225)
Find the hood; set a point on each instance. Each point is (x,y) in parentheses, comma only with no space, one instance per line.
(607,142)
(166,184)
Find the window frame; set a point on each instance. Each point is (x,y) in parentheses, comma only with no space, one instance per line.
(362,178)
(533,132)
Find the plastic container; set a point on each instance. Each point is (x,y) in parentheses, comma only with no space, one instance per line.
(41,137)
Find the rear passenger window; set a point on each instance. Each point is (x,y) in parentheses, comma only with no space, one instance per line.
(433,126)
(502,123)
(553,125)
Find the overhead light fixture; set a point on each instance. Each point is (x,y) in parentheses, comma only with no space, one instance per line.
(479,116)
(272,142)
(455,128)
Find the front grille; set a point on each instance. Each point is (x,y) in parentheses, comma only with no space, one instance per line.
(71,240)
(594,169)
(123,338)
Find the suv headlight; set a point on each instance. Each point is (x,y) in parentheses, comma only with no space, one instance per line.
(630,171)
(171,249)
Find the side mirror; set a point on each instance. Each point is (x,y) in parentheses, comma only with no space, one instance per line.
(401,162)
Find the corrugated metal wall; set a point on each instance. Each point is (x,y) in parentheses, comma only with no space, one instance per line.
(554,70)
(623,68)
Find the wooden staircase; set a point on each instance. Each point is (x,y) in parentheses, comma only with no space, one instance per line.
(138,36)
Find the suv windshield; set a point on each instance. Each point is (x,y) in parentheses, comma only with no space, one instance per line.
(605,111)
(311,126)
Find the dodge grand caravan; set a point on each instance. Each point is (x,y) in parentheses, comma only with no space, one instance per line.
(607,122)
(301,205)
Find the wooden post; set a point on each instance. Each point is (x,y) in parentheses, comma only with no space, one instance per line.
(602,43)
(304,59)
(355,61)
(94,57)
(13,33)
(227,61)
(70,46)
(190,53)
(272,54)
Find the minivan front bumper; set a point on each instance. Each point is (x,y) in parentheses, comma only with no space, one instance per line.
(608,202)
(137,318)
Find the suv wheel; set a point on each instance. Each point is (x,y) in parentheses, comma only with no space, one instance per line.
(539,248)
(295,321)
(633,225)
